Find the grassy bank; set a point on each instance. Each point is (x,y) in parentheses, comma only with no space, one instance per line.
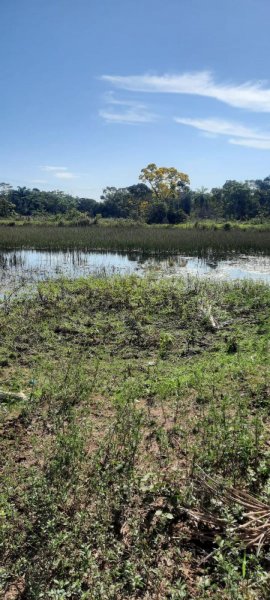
(258,224)
(134,392)
(155,239)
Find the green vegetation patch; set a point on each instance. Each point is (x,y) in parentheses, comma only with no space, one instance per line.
(203,240)
(129,409)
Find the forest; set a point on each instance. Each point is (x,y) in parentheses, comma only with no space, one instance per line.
(163,196)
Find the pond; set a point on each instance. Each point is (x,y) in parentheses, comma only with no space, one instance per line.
(22,267)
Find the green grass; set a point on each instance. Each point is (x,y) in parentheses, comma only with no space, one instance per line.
(147,239)
(132,385)
(62,220)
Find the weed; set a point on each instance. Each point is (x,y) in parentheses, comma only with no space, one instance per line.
(127,391)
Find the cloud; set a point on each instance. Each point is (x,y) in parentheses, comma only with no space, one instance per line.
(59,172)
(65,175)
(252,143)
(242,135)
(129,117)
(133,112)
(222,127)
(50,168)
(109,98)
(39,180)
(251,95)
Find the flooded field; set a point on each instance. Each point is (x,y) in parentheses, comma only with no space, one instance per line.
(22,267)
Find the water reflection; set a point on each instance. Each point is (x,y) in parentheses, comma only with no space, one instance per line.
(30,266)
(212,264)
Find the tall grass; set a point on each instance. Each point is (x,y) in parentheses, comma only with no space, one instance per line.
(150,240)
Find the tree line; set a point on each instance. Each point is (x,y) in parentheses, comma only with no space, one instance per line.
(162,196)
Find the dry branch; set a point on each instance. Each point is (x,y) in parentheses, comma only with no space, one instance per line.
(254,531)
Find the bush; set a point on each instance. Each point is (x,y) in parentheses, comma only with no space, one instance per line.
(176,216)
(157,213)
(85,221)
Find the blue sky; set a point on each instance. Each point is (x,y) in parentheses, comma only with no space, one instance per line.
(94,90)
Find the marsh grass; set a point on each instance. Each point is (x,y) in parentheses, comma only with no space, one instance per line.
(130,391)
(148,240)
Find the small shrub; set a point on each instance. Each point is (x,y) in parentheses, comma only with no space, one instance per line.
(85,221)
(165,343)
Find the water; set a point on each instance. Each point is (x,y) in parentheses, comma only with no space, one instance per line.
(22,267)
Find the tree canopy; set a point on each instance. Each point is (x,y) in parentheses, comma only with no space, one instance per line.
(166,199)
(165,182)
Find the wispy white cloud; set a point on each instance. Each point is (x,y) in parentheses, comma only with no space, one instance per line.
(52,169)
(222,127)
(65,175)
(39,181)
(129,117)
(251,95)
(241,135)
(59,172)
(132,112)
(252,143)
(109,98)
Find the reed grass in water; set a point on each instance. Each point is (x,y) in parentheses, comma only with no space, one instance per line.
(150,240)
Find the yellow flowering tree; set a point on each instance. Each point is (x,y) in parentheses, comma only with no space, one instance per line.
(165,182)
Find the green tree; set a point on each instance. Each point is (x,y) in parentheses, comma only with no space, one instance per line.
(6,206)
(157,213)
(89,206)
(116,203)
(202,206)
(237,200)
(260,189)
(124,202)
